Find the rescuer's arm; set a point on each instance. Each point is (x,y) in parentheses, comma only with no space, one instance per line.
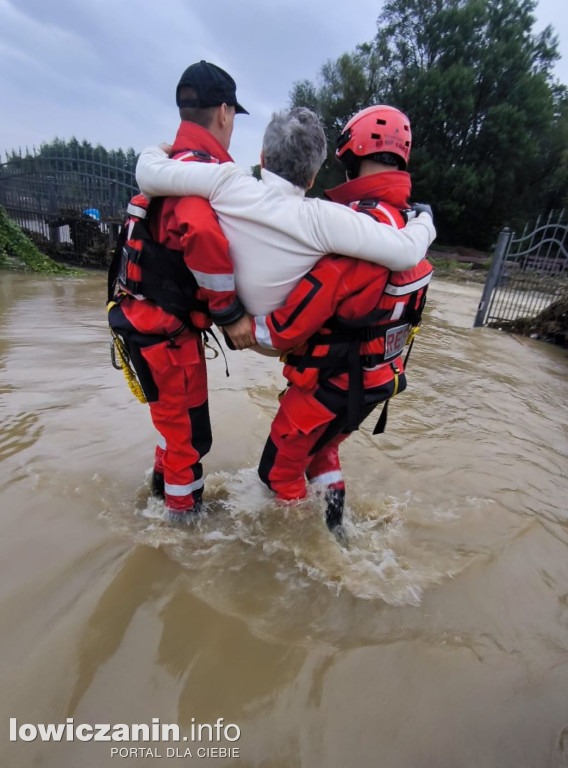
(340,229)
(206,253)
(307,307)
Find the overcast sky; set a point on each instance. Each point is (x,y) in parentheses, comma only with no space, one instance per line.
(106,70)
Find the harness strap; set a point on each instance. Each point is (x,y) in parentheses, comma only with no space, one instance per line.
(206,344)
(115,264)
(165,279)
(381,424)
(348,362)
(356,391)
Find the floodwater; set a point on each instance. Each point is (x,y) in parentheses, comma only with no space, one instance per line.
(438,639)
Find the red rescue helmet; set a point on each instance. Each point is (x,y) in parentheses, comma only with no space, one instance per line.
(381,132)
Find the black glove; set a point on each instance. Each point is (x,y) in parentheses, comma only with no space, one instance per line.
(419,208)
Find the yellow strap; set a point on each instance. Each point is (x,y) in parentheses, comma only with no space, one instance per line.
(413,331)
(396,372)
(129,374)
(124,360)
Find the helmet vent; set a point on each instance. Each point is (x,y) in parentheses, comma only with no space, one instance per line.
(376,136)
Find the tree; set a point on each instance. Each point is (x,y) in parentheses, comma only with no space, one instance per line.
(347,85)
(486,115)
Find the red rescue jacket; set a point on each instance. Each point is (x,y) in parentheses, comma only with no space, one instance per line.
(187,226)
(346,306)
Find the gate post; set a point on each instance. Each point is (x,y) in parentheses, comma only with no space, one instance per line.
(492,276)
(113,199)
(52,210)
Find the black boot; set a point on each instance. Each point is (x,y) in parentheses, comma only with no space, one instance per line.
(183,516)
(157,484)
(335,498)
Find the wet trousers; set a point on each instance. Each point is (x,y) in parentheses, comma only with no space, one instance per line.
(173,376)
(306,434)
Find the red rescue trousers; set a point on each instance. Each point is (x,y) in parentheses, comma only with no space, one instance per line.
(173,375)
(306,433)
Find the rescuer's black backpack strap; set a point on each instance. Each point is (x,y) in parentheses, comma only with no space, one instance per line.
(114,266)
(163,276)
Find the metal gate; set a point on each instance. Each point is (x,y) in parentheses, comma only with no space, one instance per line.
(527,273)
(71,205)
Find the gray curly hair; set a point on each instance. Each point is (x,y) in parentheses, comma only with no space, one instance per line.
(294,146)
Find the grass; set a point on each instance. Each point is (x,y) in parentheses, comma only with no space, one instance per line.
(19,253)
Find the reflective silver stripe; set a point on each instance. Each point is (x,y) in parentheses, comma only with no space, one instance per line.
(214,282)
(135,210)
(388,214)
(190,154)
(186,156)
(401,290)
(162,442)
(183,490)
(262,333)
(327,478)
(398,310)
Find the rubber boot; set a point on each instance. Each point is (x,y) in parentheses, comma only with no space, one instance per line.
(184,516)
(335,498)
(157,484)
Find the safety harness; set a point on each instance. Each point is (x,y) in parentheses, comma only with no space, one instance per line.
(344,338)
(144,269)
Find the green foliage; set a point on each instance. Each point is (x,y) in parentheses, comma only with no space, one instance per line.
(75,151)
(490,126)
(18,252)
(78,169)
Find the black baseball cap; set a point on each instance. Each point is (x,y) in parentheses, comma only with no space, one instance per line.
(213,86)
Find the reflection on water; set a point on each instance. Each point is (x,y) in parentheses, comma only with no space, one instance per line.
(432,639)
(18,433)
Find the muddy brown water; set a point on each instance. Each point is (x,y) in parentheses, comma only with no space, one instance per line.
(439,638)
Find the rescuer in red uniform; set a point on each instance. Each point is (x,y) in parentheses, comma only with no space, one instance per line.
(175,278)
(346,323)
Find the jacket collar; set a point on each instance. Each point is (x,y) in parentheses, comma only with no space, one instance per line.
(193,136)
(391,187)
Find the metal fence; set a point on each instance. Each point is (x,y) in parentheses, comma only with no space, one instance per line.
(71,205)
(527,273)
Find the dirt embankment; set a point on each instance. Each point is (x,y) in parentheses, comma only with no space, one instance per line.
(549,325)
